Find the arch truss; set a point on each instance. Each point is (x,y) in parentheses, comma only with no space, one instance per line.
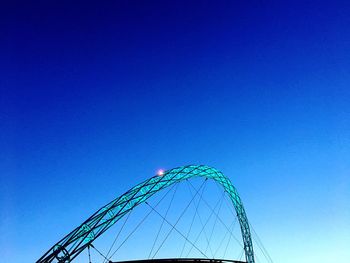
(75,242)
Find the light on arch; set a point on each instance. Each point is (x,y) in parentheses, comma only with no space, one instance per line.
(160,172)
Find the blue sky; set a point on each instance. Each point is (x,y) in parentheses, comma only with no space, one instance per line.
(95,97)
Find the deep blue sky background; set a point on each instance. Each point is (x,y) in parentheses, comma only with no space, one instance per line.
(96,96)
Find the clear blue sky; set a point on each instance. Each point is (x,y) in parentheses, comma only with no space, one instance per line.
(94,97)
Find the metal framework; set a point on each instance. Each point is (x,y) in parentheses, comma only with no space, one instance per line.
(75,242)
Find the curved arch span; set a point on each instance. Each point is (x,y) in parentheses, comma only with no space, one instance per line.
(75,242)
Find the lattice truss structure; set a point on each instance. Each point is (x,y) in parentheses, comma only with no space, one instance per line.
(82,237)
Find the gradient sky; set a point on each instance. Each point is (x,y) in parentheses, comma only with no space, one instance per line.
(95,97)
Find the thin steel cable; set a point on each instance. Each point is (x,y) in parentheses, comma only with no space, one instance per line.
(212,212)
(227,202)
(177,221)
(232,224)
(220,244)
(161,226)
(200,220)
(222,241)
(98,251)
(194,216)
(263,249)
(221,221)
(229,239)
(216,219)
(257,259)
(261,245)
(178,231)
(138,225)
(116,238)
(240,257)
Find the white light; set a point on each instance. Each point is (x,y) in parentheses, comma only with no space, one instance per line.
(160,172)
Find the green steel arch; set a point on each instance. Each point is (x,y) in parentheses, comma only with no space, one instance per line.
(81,237)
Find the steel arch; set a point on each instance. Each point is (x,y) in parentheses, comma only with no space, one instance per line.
(81,237)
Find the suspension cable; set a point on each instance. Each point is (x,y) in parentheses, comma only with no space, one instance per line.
(91,245)
(200,232)
(192,221)
(161,226)
(221,221)
(229,239)
(216,219)
(177,221)
(119,232)
(256,237)
(227,203)
(261,245)
(178,231)
(200,220)
(240,257)
(223,239)
(139,224)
